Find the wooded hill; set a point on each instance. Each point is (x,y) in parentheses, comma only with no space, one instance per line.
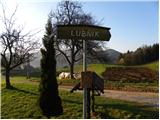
(142,55)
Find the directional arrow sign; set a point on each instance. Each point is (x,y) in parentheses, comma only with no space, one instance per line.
(84,32)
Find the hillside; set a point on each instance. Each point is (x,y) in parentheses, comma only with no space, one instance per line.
(153,65)
(141,55)
(110,55)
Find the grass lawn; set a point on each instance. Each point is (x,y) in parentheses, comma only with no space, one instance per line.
(98,68)
(153,65)
(22,102)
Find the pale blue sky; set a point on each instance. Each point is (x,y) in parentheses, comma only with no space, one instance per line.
(132,24)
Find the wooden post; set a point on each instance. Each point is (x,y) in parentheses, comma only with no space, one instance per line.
(85,88)
(88,104)
(93,101)
(86,92)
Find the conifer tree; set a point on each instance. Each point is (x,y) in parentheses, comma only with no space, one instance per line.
(49,101)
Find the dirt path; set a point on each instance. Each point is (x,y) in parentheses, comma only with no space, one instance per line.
(147,98)
(141,97)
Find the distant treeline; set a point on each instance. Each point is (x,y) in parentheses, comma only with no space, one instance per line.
(142,55)
(24,71)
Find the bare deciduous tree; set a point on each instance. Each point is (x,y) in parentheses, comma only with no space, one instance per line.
(70,12)
(17,47)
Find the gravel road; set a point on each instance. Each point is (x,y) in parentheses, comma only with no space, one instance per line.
(141,97)
(147,98)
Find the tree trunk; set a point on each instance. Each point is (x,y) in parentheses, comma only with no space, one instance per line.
(8,84)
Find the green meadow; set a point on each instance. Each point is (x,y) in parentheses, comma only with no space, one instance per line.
(22,102)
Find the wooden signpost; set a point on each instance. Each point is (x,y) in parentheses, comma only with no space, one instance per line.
(84,32)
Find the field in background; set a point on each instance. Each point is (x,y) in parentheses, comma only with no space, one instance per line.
(153,65)
(130,78)
(98,68)
(127,82)
(22,102)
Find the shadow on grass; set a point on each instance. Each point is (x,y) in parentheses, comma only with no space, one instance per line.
(135,111)
(72,101)
(20,90)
